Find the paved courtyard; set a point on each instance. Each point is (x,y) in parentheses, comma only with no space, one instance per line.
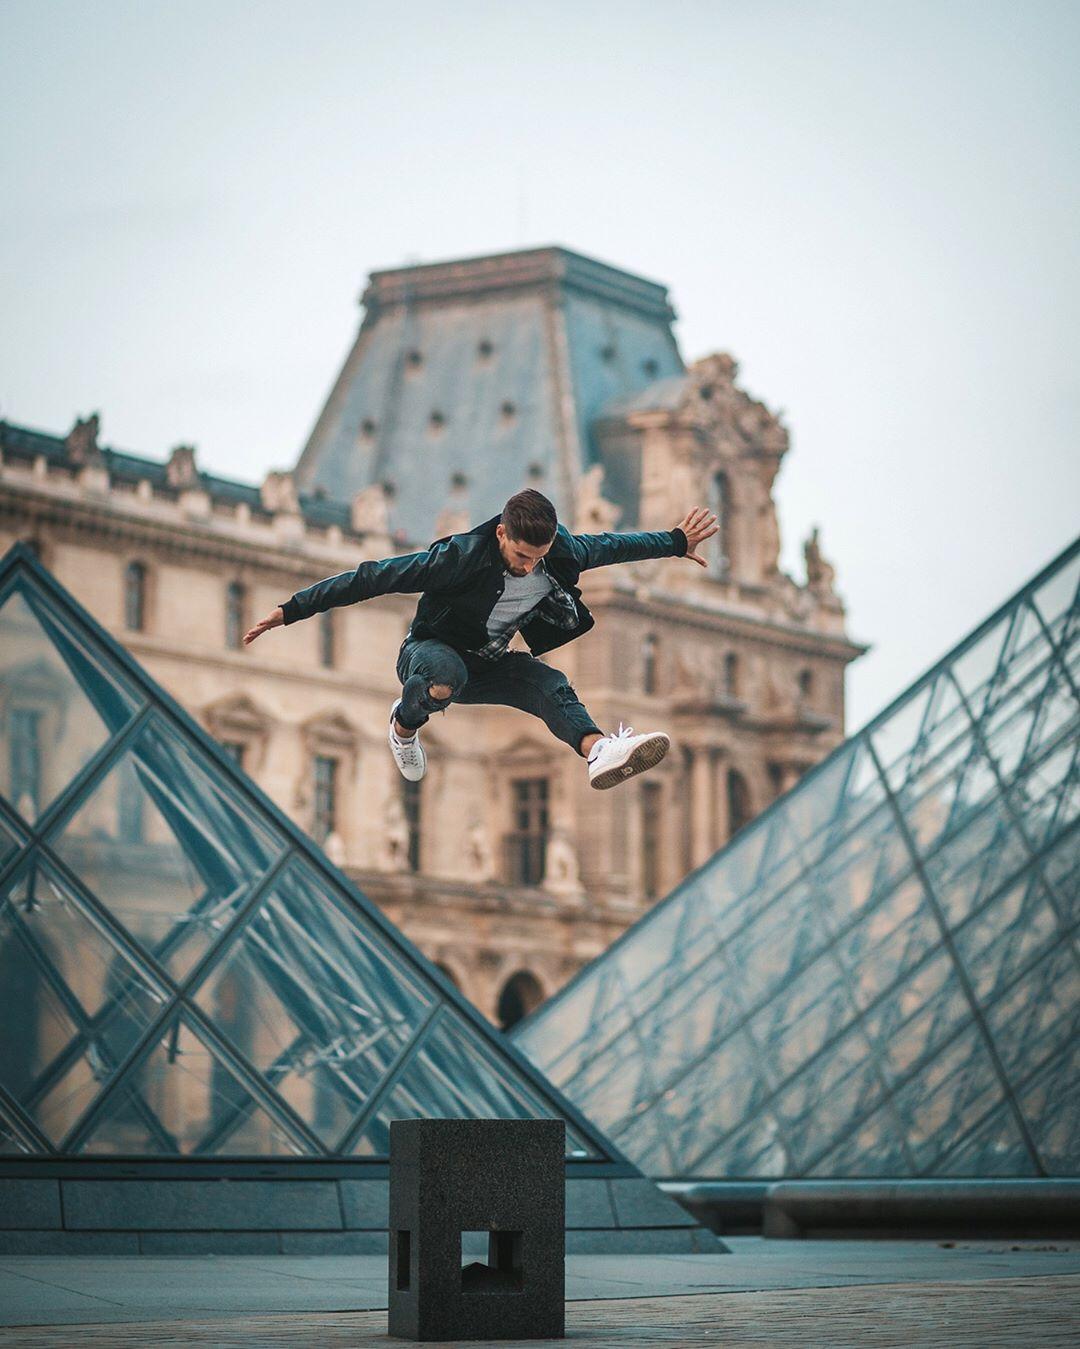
(765,1292)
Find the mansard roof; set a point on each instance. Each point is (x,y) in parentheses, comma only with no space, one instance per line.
(485,373)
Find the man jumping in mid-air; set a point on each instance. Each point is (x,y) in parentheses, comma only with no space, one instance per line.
(517,572)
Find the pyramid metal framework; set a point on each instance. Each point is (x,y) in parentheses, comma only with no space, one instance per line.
(182,972)
(880,976)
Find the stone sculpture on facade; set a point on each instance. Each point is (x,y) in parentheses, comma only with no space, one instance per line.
(593,513)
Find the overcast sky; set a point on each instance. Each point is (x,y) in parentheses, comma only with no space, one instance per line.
(872,205)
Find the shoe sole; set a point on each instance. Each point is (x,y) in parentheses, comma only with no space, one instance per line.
(647,755)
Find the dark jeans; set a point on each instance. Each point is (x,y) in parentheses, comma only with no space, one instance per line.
(514,680)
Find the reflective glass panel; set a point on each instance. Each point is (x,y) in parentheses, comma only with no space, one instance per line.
(72,1005)
(315,1000)
(166,847)
(183,1100)
(450,1076)
(884,963)
(59,705)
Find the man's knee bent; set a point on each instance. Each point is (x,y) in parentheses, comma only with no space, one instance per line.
(440,692)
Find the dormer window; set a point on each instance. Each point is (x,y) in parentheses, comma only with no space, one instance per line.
(414,359)
(508,411)
(485,349)
(368,428)
(436,421)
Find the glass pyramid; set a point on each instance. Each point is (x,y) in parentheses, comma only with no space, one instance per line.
(879,976)
(182,972)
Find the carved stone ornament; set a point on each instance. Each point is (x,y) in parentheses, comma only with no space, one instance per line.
(593,513)
(562,875)
(820,574)
(82,441)
(478,851)
(395,839)
(278,493)
(370,512)
(181,470)
(735,422)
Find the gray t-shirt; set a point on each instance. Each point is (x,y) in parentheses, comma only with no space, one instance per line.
(520,595)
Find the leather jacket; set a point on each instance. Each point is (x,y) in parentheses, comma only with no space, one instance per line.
(461,576)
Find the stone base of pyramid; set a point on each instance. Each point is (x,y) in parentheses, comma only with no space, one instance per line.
(292,1209)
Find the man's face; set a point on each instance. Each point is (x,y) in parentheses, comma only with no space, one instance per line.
(520,558)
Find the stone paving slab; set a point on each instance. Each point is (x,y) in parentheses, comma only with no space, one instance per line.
(1004,1312)
(81,1290)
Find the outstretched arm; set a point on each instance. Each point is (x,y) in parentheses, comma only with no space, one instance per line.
(391,576)
(602,550)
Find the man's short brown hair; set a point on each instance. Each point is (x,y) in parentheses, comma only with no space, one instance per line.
(529,517)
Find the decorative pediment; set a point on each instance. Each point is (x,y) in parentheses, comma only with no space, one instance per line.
(181,470)
(237,715)
(330,733)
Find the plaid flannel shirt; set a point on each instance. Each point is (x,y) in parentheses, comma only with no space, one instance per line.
(557,607)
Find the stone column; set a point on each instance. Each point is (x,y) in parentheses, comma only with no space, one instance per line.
(720,801)
(701,807)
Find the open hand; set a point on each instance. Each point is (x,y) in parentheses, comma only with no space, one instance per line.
(699,525)
(273,619)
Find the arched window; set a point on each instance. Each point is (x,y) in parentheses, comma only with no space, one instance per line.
(720,505)
(135,596)
(806,685)
(521,995)
(731,674)
(739,807)
(648,663)
(235,601)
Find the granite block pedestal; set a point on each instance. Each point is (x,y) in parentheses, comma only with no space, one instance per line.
(477,1241)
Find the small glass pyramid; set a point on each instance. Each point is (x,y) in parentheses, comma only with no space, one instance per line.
(880,976)
(182,972)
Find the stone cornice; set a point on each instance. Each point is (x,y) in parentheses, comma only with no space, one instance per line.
(104,519)
(667,607)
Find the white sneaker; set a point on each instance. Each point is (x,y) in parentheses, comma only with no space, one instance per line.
(408,754)
(616,757)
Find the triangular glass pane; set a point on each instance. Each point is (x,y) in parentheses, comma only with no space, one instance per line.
(9,843)
(993,1148)
(978,669)
(71,1003)
(166,847)
(182,1099)
(1050,1104)
(1058,599)
(451,1076)
(896,739)
(10,1143)
(59,706)
(312,997)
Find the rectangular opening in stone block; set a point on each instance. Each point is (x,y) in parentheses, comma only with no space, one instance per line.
(502,1272)
(404,1254)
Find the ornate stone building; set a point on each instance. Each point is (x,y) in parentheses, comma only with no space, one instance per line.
(467,381)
